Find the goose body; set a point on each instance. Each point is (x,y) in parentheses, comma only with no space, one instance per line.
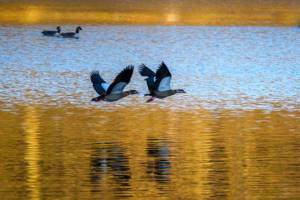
(72,34)
(114,91)
(116,97)
(52,33)
(159,82)
(164,94)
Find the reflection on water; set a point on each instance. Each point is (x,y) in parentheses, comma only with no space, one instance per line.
(110,169)
(109,162)
(159,164)
(219,174)
(32,152)
(73,152)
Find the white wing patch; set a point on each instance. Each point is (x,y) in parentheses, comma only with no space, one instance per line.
(118,88)
(105,86)
(165,84)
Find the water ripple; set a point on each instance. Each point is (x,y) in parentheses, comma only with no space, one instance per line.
(219,67)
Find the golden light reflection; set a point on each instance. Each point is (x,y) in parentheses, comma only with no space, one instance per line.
(198,153)
(224,14)
(172,17)
(32,152)
(32,14)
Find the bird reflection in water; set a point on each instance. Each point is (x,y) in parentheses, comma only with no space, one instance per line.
(219,175)
(158,165)
(108,160)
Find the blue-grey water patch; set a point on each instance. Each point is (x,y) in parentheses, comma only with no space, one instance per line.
(218,67)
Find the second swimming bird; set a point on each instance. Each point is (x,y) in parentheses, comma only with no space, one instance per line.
(71,34)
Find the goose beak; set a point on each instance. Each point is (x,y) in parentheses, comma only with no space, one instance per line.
(133,92)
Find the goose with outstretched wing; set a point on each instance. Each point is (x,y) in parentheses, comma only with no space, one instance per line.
(158,83)
(151,78)
(114,91)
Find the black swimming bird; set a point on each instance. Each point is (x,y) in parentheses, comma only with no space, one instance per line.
(114,91)
(159,82)
(52,33)
(71,34)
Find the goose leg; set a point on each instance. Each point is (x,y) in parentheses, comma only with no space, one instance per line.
(152,98)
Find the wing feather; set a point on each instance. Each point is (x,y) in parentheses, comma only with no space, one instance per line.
(99,84)
(164,84)
(163,78)
(121,81)
(145,71)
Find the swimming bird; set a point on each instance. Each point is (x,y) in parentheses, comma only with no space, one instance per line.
(72,34)
(159,82)
(114,91)
(52,33)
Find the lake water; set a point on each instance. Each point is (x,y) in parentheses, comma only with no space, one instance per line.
(235,134)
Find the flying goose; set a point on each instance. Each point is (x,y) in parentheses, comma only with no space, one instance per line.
(114,91)
(159,82)
(71,34)
(52,33)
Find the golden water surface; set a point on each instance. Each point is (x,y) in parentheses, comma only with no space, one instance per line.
(50,152)
(191,12)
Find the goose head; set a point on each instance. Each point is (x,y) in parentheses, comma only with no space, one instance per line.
(78,28)
(131,92)
(58,29)
(180,91)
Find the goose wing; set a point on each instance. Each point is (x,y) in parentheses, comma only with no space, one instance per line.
(52,32)
(49,32)
(68,34)
(98,83)
(121,81)
(145,71)
(163,78)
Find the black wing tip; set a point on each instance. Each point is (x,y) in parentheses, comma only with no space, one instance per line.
(129,67)
(126,72)
(162,70)
(95,72)
(141,67)
(162,64)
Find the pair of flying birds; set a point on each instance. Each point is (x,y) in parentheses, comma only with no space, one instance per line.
(158,84)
